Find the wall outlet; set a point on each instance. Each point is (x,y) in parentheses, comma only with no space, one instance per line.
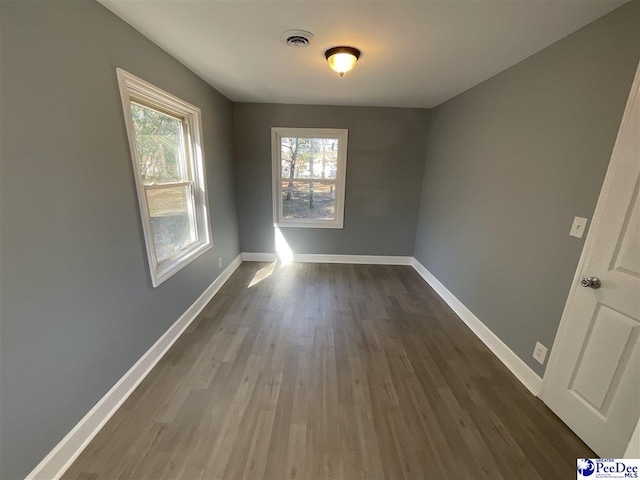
(219,262)
(540,353)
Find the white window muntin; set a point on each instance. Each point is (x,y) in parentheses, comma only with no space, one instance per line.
(134,89)
(277,133)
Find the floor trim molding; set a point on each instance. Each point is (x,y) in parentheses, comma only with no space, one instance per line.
(521,370)
(69,448)
(325,258)
(53,466)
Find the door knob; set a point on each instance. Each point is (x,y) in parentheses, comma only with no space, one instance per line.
(591,282)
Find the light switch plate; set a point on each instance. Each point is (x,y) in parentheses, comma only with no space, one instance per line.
(540,353)
(578,227)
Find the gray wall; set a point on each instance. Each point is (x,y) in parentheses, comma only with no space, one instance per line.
(77,305)
(384,173)
(510,163)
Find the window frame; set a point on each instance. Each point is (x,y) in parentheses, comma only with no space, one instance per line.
(277,133)
(134,89)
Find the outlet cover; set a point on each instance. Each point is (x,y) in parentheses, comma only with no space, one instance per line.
(540,353)
(219,262)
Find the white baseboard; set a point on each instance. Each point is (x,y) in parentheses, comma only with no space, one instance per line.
(64,454)
(259,257)
(322,258)
(53,466)
(521,370)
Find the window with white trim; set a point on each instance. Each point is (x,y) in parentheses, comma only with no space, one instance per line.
(309,176)
(165,139)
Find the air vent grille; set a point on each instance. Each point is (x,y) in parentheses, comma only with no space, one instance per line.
(297,41)
(296,38)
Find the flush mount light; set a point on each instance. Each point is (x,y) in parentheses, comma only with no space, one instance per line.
(342,59)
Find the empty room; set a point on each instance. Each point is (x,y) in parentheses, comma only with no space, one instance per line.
(319,239)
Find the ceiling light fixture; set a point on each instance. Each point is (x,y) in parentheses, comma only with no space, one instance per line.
(342,59)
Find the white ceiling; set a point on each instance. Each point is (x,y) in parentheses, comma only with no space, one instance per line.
(414,53)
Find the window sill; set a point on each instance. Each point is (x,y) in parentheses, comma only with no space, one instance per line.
(163,271)
(308,224)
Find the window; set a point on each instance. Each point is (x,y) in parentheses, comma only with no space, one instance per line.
(165,138)
(309,170)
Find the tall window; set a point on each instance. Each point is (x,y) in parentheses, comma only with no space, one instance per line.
(309,169)
(165,138)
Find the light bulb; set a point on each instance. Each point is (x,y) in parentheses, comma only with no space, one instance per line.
(342,59)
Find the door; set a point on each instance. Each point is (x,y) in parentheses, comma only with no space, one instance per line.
(593,379)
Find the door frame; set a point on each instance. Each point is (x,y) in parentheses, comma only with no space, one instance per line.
(614,162)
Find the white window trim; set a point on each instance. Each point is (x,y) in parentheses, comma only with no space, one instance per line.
(134,88)
(277,133)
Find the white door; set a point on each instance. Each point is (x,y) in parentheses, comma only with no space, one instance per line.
(593,379)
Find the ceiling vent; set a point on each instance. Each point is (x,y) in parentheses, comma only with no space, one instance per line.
(296,38)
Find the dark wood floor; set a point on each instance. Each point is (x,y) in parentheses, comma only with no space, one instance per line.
(330,371)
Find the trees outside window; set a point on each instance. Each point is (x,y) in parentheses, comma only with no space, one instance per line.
(309,168)
(165,139)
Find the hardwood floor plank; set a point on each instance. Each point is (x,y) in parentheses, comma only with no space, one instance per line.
(259,445)
(330,371)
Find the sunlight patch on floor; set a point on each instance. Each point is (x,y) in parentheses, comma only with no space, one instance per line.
(264,272)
